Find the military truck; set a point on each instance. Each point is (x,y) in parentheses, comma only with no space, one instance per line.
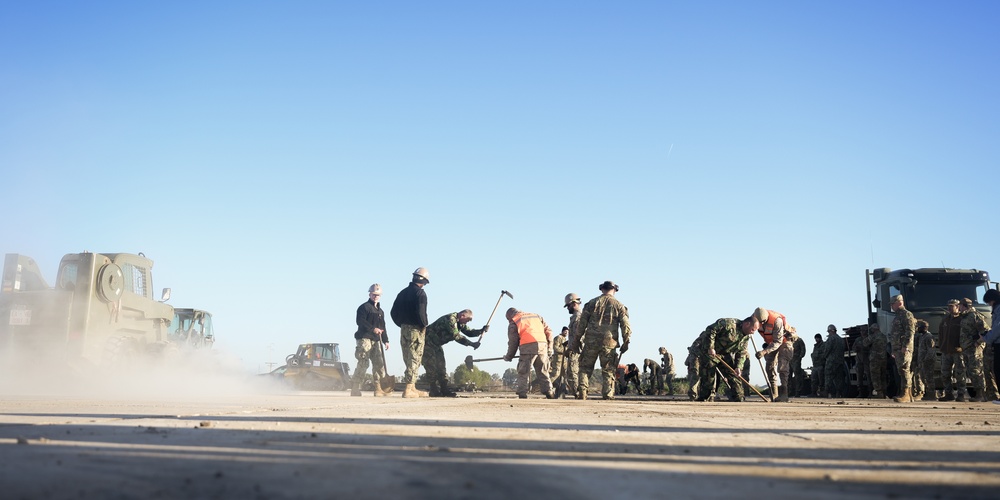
(926,292)
(317,367)
(101,310)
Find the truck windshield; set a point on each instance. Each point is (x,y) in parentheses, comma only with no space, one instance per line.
(932,294)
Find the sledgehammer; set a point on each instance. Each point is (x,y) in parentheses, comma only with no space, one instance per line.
(469,360)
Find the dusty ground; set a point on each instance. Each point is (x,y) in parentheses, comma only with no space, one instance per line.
(317,445)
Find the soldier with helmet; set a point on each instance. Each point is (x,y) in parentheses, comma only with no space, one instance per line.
(573,306)
(596,336)
(952,360)
(371,330)
(877,345)
(557,362)
(835,371)
(971,330)
(453,326)
(409,313)
(667,369)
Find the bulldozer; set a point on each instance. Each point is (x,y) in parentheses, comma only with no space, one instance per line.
(101,311)
(316,367)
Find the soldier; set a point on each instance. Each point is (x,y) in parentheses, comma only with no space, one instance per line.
(772,328)
(785,354)
(726,339)
(877,344)
(572,305)
(992,297)
(529,333)
(371,330)
(972,328)
(454,326)
(597,330)
(923,379)
(558,361)
(901,339)
(655,376)
(798,374)
(693,364)
(819,363)
(667,369)
(952,360)
(834,369)
(861,364)
(631,376)
(409,313)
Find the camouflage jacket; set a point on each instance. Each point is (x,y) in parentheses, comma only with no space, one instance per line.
(901,334)
(574,319)
(925,346)
(725,336)
(973,325)
(559,344)
(447,328)
(799,349)
(877,343)
(819,353)
(667,362)
(601,321)
(834,348)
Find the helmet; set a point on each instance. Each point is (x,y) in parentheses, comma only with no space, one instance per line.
(376,289)
(570,298)
(423,273)
(761,314)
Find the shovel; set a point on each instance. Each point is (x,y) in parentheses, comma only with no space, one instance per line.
(388,382)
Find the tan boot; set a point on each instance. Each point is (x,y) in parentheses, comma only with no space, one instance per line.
(903,398)
(379,393)
(411,391)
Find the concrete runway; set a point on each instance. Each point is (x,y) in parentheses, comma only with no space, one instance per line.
(330,445)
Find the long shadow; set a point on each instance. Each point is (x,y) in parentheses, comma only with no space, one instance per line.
(90,460)
(510,425)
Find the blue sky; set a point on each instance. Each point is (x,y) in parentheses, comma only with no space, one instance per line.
(275,159)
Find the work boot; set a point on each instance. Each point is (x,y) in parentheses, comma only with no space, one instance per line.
(355,392)
(977,399)
(550,395)
(961,397)
(411,392)
(948,396)
(782,394)
(379,393)
(445,392)
(522,396)
(903,398)
(929,397)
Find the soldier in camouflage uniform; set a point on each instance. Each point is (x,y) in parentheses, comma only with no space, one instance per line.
(819,364)
(991,380)
(453,326)
(901,339)
(862,365)
(952,360)
(725,339)
(877,344)
(371,330)
(558,361)
(409,313)
(785,355)
(667,370)
(923,375)
(973,327)
(693,365)
(597,330)
(573,306)
(835,370)
(798,374)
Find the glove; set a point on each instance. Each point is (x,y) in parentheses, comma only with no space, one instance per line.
(486,328)
(624,347)
(711,353)
(475,345)
(507,358)
(760,354)
(765,345)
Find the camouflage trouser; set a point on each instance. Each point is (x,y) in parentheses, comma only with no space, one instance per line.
(592,351)
(991,380)
(785,355)
(923,377)
(541,363)
(862,367)
(572,372)
(557,370)
(902,358)
(798,378)
(694,375)
(876,369)
(365,350)
(818,381)
(835,374)
(974,368)
(411,343)
(434,365)
(668,382)
(953,372)
(771,368)
(709,379)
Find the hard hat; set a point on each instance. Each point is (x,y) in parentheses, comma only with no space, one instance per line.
(570,298)
(376,289)
(423,273)
(761,314)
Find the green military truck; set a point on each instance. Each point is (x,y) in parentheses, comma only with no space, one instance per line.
(926,292)
(101,310)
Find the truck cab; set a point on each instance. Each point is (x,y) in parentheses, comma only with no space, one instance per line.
(926,293)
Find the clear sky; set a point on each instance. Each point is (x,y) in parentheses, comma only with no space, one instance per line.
(276,158)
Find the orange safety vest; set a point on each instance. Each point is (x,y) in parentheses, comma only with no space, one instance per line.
(767,327)
(529,328)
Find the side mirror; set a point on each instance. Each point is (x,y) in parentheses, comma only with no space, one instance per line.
(877,303)
(166,295)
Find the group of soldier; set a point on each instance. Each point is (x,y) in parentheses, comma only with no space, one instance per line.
(599,331)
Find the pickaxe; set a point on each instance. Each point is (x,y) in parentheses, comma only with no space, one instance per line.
(502,293)
(469,360)
(767,377)
(741,379)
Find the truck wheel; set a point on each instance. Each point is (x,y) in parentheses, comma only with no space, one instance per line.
(110,283)
(120,353)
